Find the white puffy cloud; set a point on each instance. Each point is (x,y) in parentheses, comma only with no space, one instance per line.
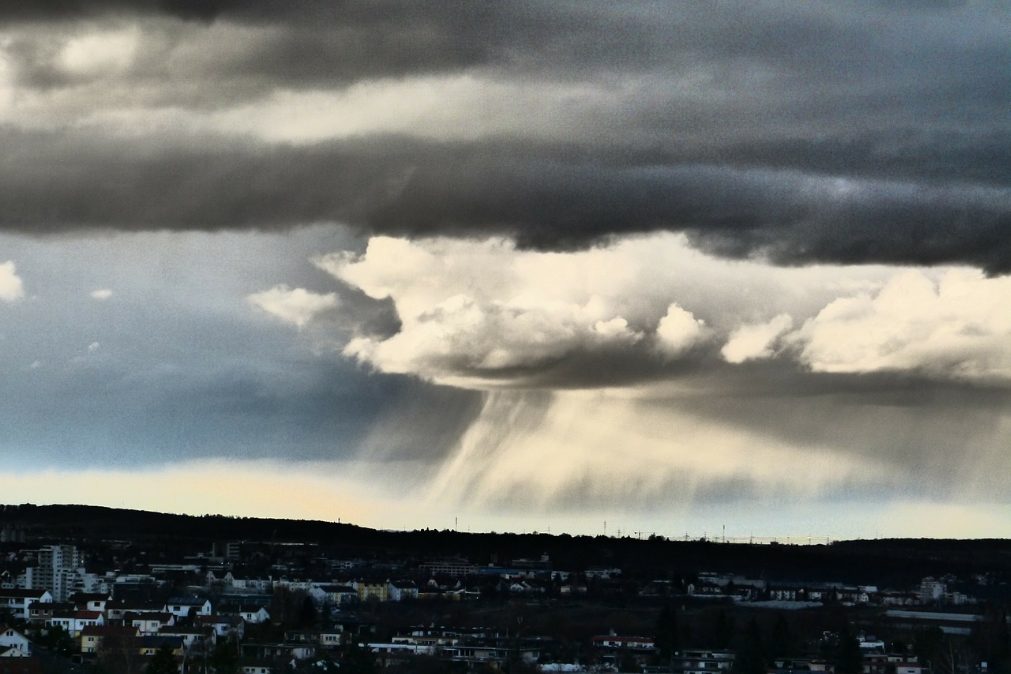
(11,287)
(477,310)
(678,331)
(93,347)
(99,53)
(482,314)
(297,306)
(463,333)
(956,327)
(616,329)
(100,294)
(756,340)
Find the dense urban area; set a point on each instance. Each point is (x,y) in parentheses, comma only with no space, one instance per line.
(96,590)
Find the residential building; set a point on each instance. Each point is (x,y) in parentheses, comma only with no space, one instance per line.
(55,569)
(702,662)
(73,622)
(18,601)
(11,639)
(182,607)
(92,636)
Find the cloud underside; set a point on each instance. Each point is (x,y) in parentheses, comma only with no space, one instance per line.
(488,315)
(802,133)
(55,184)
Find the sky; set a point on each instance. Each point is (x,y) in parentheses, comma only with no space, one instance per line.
(534,266)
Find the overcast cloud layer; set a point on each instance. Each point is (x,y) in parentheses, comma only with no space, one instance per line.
(844,132)
(510,260)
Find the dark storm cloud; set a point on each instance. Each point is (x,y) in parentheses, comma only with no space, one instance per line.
(552,36)
(210,65)
(545,197)
(837,132)
(827,63)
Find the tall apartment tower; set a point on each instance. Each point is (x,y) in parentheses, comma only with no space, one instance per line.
(56,570)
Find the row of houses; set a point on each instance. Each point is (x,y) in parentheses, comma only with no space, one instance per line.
(930,592)
(345,593)
(472,646)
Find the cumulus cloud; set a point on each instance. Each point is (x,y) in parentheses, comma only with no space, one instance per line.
(475,311)
(486,313)
(956,327)
(678,330)
(11,287)
(616,329)
(755,341)
(297,306)
(100,294)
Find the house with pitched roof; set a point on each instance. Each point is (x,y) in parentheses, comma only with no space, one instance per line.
(13,643)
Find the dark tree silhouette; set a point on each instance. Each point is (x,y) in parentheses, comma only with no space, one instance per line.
(358,660)
(781,642)
(225,658)
(848,658)
(750,658)
(667,633)
(163,662)
(724,630)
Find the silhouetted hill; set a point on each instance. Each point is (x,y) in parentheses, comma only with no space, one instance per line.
(860,561)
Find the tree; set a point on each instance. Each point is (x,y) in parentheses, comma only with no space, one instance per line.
(307,613)
(628,663)
(358,660)
(724,630)
(667,633)
(163,662)
(118,655)
(928,644)
(58,641)
(848,658)
(750,658)
(288,608)
(225,657)
(781,643)
(991,639)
